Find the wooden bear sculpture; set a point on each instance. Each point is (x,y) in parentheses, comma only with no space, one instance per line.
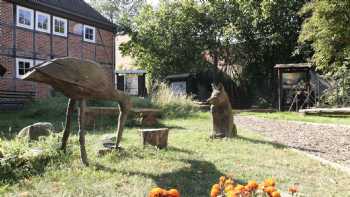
(223,125)
(80,80)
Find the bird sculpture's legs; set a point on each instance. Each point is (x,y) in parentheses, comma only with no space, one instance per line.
(67,128)
(82,133)
(124,108)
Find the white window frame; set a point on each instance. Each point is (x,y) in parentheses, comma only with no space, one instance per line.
(31,26)
(17,66)
(48,30)
(65,26)
(94,35)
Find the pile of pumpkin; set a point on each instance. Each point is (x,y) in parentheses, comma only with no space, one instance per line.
(159,192)
(226,187)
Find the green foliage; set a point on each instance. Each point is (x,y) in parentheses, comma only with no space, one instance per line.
(20,163)
(173,106)
(328,31)
(192,163)
(54,108)
(46,110)
(165,41)
(253,34)
(117,10)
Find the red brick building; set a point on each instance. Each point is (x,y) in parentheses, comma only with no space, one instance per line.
(33,31)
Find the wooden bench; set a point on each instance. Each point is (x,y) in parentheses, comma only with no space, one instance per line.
(345,111)
(15,99)
(146,116)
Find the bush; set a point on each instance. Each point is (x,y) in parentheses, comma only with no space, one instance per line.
(172,105)
(51,110)
(19,163)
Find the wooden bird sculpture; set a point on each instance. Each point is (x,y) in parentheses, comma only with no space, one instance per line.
(81,80)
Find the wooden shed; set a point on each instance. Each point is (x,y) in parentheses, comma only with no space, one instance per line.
(293,85)
(197,85)
(132,82)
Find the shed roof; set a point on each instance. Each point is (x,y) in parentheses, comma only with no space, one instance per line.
(130,72)
(76,8)
(299,65)
(178,76)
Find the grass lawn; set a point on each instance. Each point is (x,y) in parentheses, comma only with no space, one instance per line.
(299,117)
(191,164)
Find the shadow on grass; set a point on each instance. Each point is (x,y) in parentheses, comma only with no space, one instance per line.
(140,152)
(196,179)
(278,145)
(256,141)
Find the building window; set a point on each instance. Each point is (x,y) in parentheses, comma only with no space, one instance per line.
(42,22)
(89,34)
(22,67)
(60,26)
(25,17)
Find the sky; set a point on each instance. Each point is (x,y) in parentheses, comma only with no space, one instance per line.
(153,2)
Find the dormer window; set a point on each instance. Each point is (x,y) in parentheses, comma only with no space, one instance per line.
(89,34)
(42,22)
(60,26)
(25,17)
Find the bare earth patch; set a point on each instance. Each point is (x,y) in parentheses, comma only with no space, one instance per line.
(331,142)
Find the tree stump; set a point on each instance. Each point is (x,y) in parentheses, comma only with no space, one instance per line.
(155,137)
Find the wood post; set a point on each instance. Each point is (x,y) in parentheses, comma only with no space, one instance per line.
(81,115)
(70,109)
(280,90)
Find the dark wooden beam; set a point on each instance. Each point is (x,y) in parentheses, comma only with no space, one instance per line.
(67,48)
(51,38)
(14,53)
(280,91)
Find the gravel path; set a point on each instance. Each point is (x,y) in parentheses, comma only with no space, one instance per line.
(330,142)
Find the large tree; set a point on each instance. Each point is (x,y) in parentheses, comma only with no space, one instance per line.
(167,40)
(252,34)
(328,31)
(116,10)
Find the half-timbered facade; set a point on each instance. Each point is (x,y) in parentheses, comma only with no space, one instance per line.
(33,31)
